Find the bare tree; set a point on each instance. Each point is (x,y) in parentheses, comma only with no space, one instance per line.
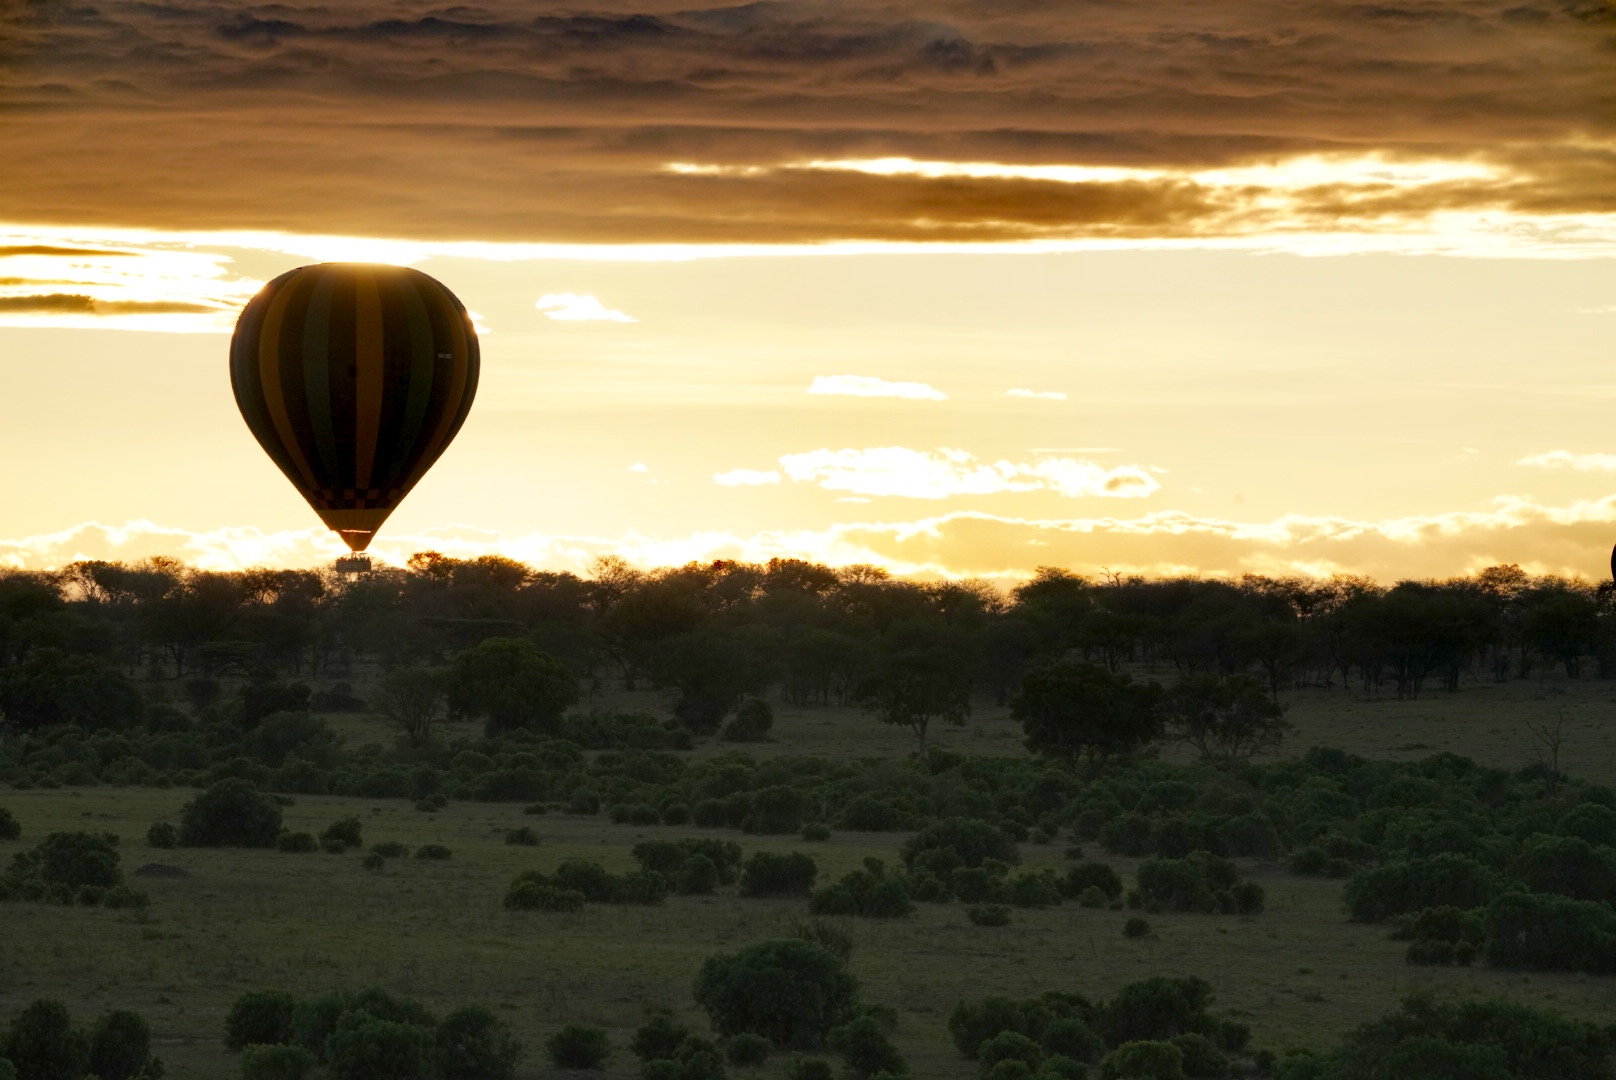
(1547,739)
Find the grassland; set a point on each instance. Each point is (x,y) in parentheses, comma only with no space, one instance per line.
(1299,974)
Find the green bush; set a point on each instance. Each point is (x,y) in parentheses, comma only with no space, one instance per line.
(816,832)
(748,1050)
(577,1046)
(658,1038)
(1136,927)
(522,837)
(1092,875)
(297,842)
(473,1044)
(697,876)
(1144,1060)
(775,810)
(1009,1046)
(988,914)
(1155,1009)
(344,831)
(231,813)
(1378,894)
(375,1049)
(260,1016)
(866,1051)
(276,1063)
(43,1045)
(120,1046)
(810,1069)
(432,851)
(791,992)
(63,863)
(1309,860)
(528,895)
(971,841)
(768,873)
(162,835)
(833,938)
(1070,1037)
(1551,933)
(751,723)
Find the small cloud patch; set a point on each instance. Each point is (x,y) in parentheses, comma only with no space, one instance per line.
(746,477)
(579,307)
(1565,459)
(869,386)
(638,466)
(1040,395)
(946,472)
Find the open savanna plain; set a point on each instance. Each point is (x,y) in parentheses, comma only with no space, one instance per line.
(1300,973)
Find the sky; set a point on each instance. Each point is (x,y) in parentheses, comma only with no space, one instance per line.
(958,288)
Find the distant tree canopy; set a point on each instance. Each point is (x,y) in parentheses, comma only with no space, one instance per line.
(517,645)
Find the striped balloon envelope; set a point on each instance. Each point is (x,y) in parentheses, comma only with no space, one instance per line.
(354,378)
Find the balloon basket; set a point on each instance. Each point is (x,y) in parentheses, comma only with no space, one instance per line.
(353,564)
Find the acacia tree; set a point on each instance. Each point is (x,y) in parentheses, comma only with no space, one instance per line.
(921,675)
(410,699)
(1226,719)
(1071,709)
(510,683)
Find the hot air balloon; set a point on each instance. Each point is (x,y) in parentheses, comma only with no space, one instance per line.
(354,378)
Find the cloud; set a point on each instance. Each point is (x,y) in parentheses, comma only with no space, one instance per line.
(869,386)
(1562,459)
(1044,395)
(806,123)
(1571,539)
(574,307)
(746,478)
(945,473)
(638,466)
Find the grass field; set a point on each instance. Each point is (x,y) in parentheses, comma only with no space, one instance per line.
(1299,974)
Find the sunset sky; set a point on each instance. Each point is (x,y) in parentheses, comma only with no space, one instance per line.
(962,288)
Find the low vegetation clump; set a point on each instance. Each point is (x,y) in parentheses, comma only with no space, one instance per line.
(297,842)
(231,813)
(1062,1034)
(575,881)
(522,837)
(1489,1040)
(162,835)
(766,873)
(9,828)
(41,1043)
(578,1046)
(1199,882)
(70,868)
(871,893)
(433,851)
(342,834)
(791,992)
(366,1035)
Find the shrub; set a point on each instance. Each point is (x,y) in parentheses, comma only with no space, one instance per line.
(1567,865)
(866,1051)
(522,837)
(1127,834)
(373,1049)
(1009,1046)
(260,1016)
(473,1044)
(1201,1055)
(1071,1038)
(1144,1060)
(1092,875)
(971,840)
(658,1038)
(988,914)
(775,810)
(748,1050)
(390,849)
(643,887)
(231,813)
(972,1025)
(583,801)
(1249,898)
(589,878)
(42,1044)
(1251,835)
(1551,933)
(1430,951)
(1155,1009)
(1177,884)
(120,1046)
(577,1046)
(1380,893)
(373,861)
(1135,928)
(333,846)
(276,1063)
(344,831)
(869,893)
(791,992)
(769,874)
(810,1069)
(432,851)
(297,842)
(1591,822)
(751,723)
(529,895)
(67,861)
(1034,890)
(162,835)
(698,876)
(1308,860)
(816,832)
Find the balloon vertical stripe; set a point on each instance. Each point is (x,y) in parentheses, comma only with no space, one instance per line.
(354,379)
